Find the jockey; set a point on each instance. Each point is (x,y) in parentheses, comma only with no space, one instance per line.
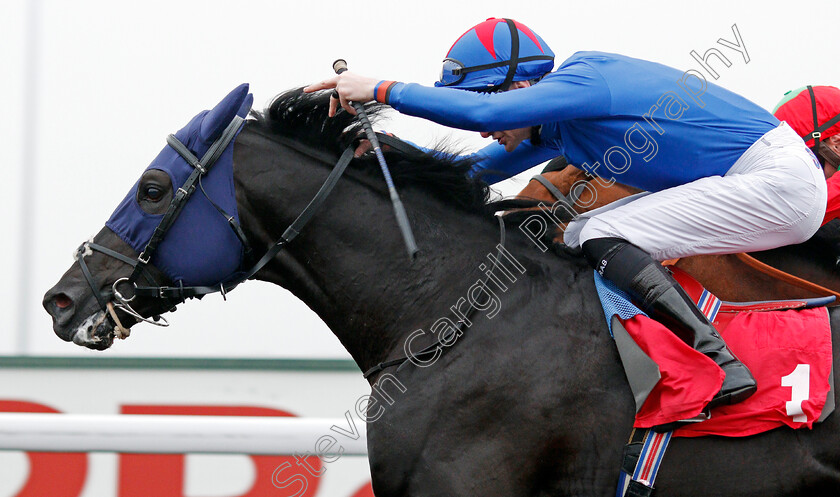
(724,175)
(814,114)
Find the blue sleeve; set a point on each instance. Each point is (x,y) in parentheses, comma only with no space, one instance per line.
(494,164)
(576,91)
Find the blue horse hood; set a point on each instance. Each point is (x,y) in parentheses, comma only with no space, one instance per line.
(200,248)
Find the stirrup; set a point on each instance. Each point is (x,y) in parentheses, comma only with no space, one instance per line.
(664,428)
(739,395)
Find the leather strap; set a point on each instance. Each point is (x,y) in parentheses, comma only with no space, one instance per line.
(82,251)
(783,276)
(776,274)
(514,55)
(816,133)
(569,199)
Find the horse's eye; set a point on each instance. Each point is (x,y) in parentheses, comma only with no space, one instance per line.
(153,192)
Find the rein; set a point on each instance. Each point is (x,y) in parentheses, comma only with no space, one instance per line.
(568,200)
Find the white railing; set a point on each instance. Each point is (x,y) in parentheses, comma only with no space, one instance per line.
(158,434)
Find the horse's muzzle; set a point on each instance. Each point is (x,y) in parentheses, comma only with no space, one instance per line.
(76,322)
(62,308)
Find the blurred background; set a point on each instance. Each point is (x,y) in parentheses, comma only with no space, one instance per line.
(91,88)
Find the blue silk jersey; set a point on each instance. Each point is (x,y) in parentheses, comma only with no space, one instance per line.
(642,123)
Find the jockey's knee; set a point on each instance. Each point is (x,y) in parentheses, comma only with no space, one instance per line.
(596,228)
(600,252)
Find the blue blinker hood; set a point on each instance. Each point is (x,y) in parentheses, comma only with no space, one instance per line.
(200,248)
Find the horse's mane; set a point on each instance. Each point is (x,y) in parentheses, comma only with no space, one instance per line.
(303,117)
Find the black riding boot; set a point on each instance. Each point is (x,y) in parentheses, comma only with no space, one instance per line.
(657,293)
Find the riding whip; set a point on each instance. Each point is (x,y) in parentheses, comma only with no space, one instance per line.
(339,66)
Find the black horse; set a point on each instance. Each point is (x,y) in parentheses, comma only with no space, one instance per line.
(526,398)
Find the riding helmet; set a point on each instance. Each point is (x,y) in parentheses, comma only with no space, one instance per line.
(813,112)
(493,54)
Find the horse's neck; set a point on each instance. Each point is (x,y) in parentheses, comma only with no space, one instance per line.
(350,265)
(377,296)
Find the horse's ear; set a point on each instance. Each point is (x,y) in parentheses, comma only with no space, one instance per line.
(222,114)
(246,106)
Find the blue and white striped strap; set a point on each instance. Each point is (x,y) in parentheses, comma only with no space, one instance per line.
(709,305)
(647,467)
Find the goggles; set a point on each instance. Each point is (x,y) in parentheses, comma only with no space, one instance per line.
(453,71)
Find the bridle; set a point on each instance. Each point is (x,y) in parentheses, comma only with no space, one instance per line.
(200,168)
(180,293)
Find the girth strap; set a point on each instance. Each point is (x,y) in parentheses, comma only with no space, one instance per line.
(640,462)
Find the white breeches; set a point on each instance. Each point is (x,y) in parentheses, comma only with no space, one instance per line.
(774,195)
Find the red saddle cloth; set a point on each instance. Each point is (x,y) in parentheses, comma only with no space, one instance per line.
(787,351)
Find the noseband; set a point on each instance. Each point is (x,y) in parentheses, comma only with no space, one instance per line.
(105,298)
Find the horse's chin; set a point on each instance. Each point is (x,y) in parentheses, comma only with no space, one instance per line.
(96,332)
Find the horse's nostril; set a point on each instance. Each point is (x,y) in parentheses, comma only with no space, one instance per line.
(62,301)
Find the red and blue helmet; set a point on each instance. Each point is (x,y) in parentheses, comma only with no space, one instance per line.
(493,54)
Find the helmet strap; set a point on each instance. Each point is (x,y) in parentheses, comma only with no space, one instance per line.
(816,135)
(514,56)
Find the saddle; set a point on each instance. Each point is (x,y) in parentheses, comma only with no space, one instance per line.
(785,344)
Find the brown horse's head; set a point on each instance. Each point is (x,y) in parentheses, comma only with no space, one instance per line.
(581,193)
(590,193)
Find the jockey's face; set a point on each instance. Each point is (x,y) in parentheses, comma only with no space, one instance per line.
(512,137)
(833,143)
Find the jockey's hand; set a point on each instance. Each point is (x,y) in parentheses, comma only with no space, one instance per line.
(351,87)
(366,146)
